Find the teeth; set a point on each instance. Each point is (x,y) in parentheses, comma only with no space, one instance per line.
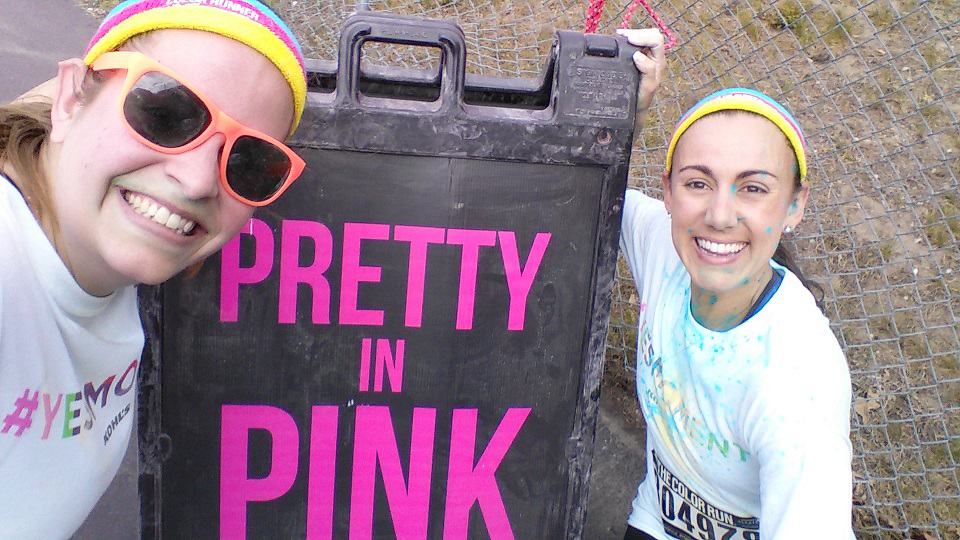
(173,222)
(721,249)
(159,214)
(162,215)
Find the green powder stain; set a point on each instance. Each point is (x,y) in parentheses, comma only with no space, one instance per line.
(722,445)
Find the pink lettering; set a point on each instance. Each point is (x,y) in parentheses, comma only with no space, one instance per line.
(519,280)
(419,238)
(387,362)
(323,463)
(374,442)
(236,488)
(520,273)
(292,274)
(365,351)
(471,240)
(467,483)
(232,275)
(391,363)
(49,413)
(353,273)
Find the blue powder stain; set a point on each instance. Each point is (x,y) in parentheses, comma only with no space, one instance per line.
(745,281)
(733,188)
(689,231)
(769,230)
(717,388)
(713,299)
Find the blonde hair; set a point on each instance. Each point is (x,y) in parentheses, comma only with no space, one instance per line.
(24,131)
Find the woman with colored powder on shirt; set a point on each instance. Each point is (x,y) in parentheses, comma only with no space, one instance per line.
(743,386)
(147,159)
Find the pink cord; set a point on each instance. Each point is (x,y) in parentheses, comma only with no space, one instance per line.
(593,16)
(596,8)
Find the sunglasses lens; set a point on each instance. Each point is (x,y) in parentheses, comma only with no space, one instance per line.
(164,112)
(256,169)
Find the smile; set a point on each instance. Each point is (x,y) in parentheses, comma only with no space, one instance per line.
(717,248)
(158,213)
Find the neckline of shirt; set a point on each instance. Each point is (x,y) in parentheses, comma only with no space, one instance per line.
(50,269)
(746,325)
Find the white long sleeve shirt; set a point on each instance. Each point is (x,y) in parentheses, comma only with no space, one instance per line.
(68,382)
(747,429)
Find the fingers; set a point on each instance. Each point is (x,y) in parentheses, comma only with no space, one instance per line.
(642,37)
(647,65)
(650,61)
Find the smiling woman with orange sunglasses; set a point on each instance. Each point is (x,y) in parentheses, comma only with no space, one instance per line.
(152,152)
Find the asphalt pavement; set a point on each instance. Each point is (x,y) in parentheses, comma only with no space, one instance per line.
(34,36)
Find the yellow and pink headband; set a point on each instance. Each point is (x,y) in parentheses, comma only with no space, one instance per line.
(745,99)
(248,21)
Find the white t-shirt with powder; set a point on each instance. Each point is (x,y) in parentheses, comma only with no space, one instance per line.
(747,429)
(68,382)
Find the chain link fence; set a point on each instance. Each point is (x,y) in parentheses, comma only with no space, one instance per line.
(875,85)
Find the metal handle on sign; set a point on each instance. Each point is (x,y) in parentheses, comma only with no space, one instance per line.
(400,30)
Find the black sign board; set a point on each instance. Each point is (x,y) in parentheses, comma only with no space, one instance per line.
(409,343)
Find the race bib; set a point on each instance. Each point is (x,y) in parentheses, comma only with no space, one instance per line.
(687,516)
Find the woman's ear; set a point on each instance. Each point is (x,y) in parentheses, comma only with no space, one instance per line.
(65,93)
(797,206)
(667,195)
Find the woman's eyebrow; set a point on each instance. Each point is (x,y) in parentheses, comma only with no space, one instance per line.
(752,172)
(702,168)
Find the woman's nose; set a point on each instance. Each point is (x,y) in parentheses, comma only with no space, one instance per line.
(722,213)
(197,171)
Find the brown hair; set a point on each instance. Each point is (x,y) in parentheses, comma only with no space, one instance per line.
(25,126)
(24,131)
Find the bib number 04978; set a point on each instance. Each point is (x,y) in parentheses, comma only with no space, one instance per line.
(687,516)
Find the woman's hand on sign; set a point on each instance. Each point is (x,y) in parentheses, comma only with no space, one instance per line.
(651,62)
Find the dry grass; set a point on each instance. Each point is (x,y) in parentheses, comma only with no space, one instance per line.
(875,85)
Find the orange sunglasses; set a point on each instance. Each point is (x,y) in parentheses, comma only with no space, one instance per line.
(168,115)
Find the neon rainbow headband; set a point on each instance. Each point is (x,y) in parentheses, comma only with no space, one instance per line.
(248,21)
(745,99)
